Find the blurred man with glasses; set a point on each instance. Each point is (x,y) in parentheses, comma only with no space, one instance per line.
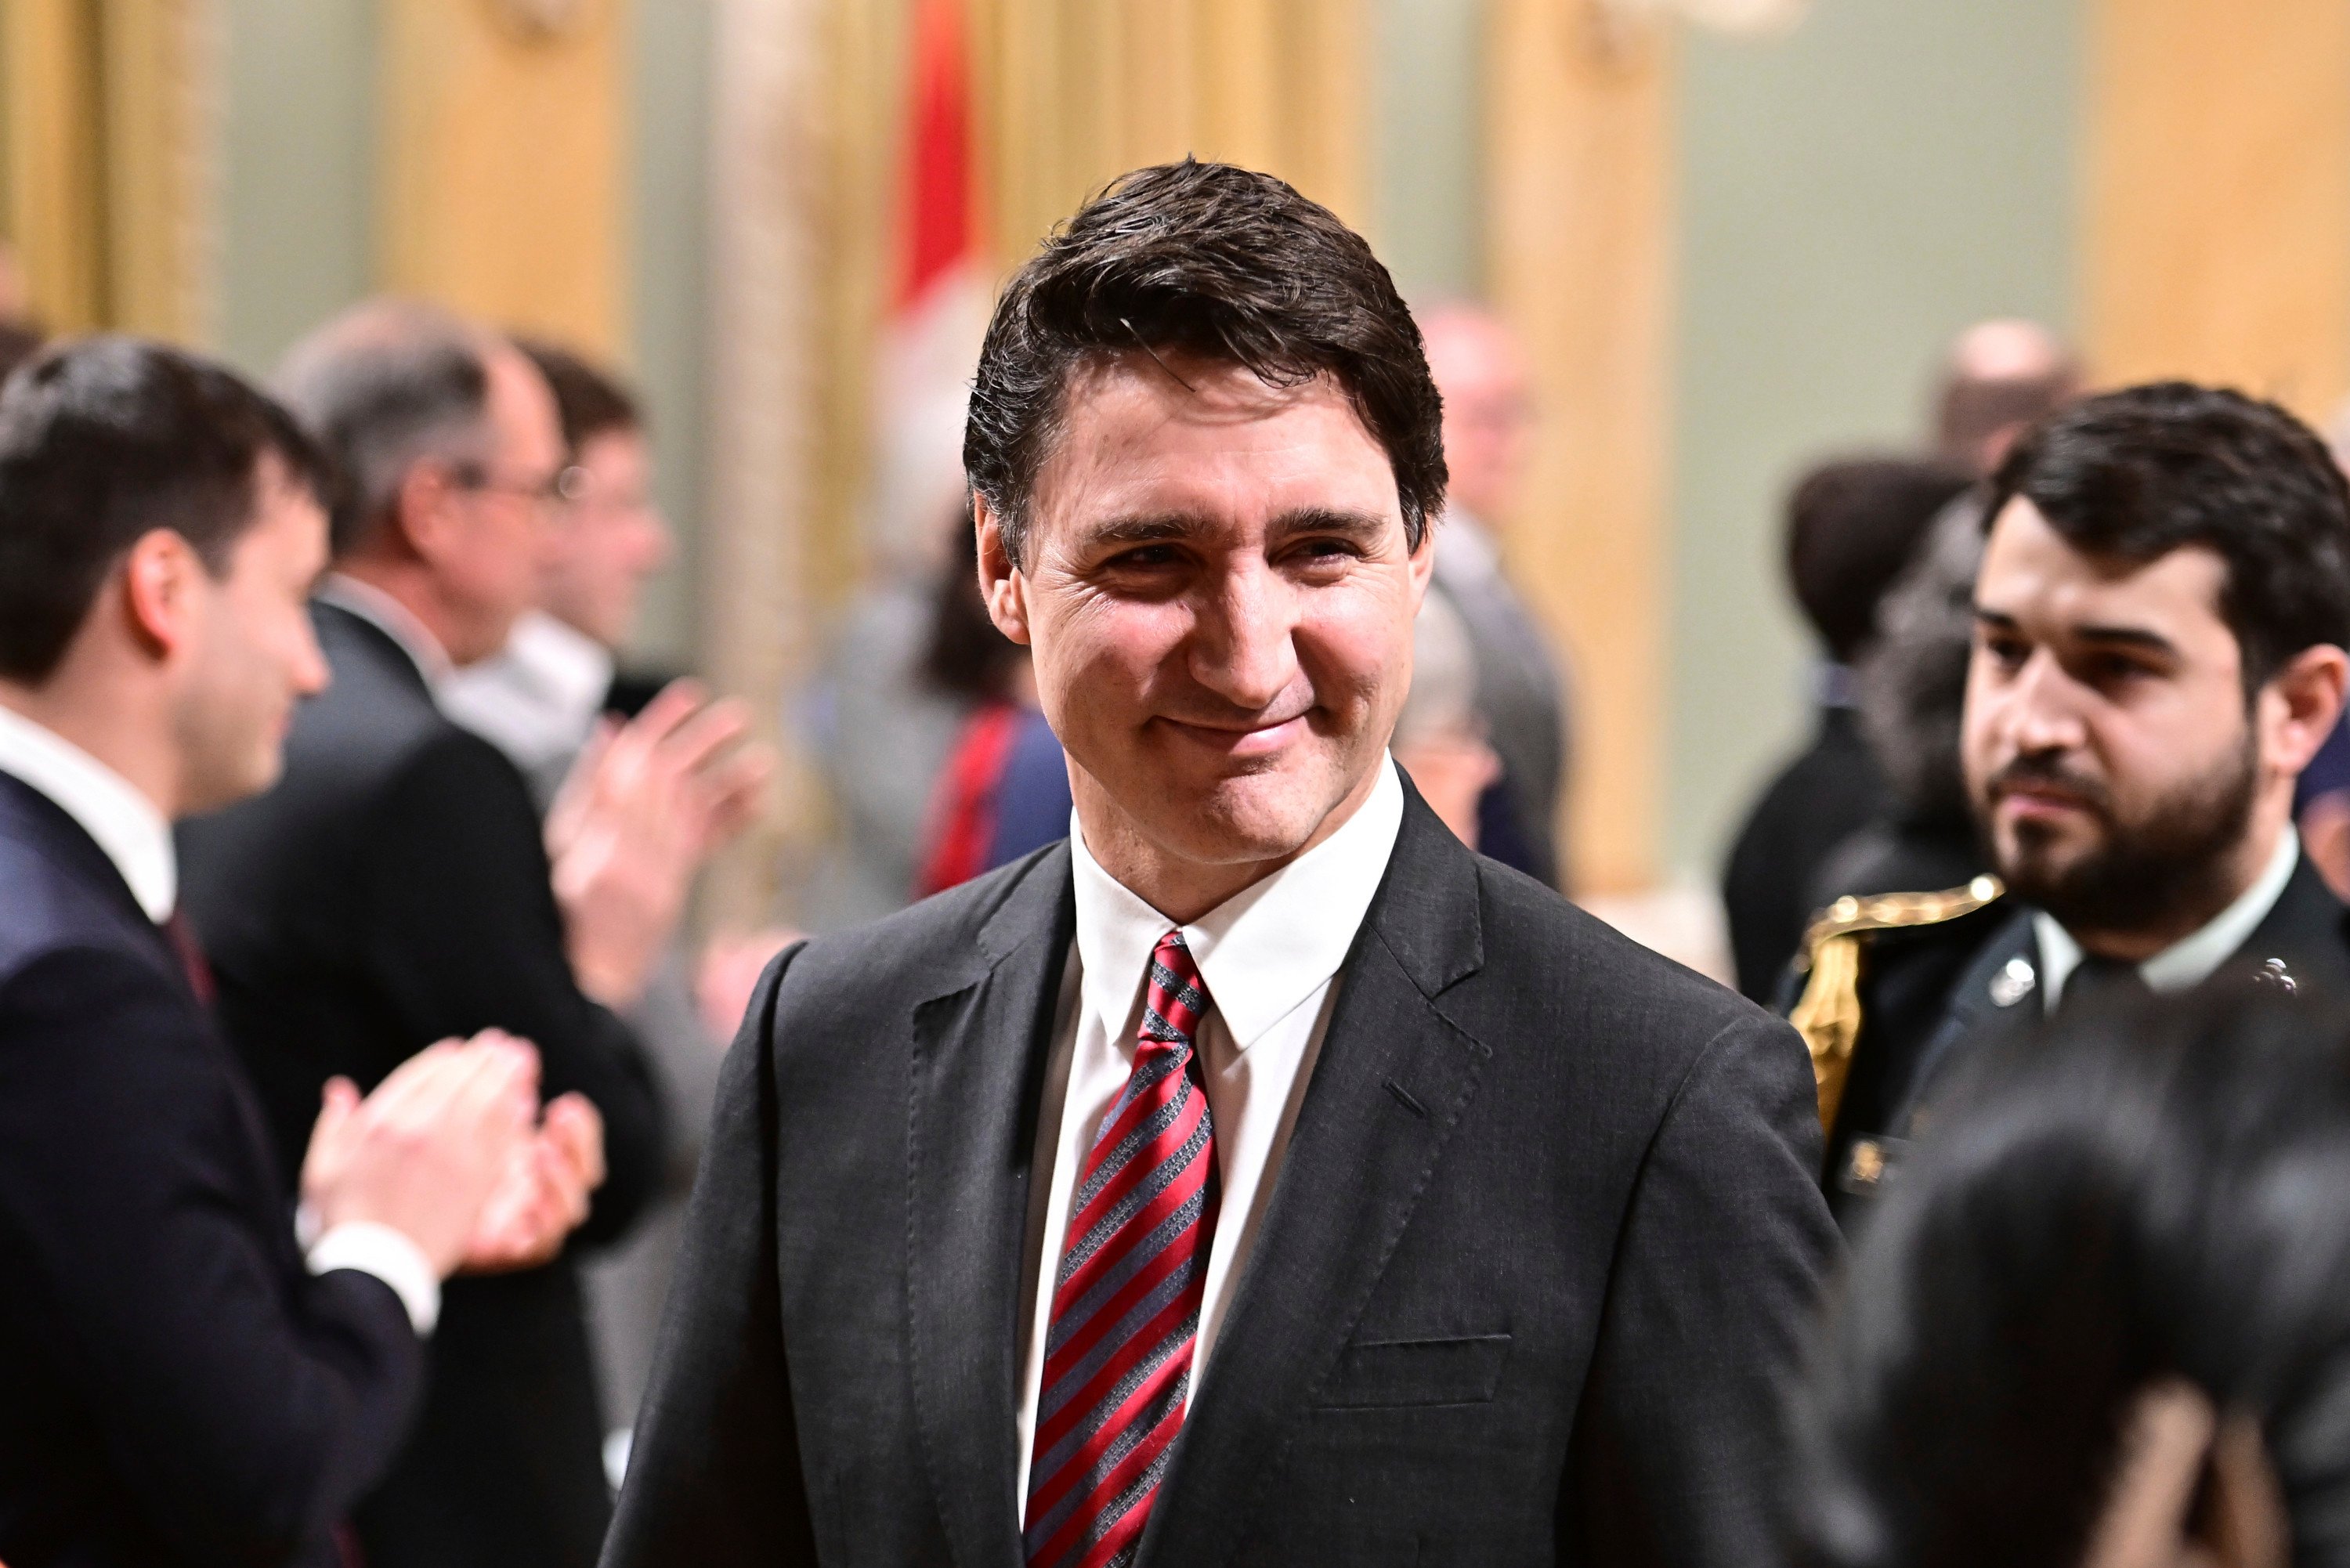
(396,882)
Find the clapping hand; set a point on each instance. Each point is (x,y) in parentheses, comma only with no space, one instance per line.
(645,806)
(543,1192)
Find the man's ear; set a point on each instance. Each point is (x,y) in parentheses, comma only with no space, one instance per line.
(163,576)
(2301,704)
(1001,584)
(424,511)
(1423,559)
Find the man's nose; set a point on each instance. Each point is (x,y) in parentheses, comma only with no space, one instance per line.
(1243,651)
(2044,707)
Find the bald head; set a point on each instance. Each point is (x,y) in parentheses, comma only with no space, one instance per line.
(1481,371)
(2001,378)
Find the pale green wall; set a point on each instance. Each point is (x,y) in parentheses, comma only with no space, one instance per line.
(1849,196)
(298,154)
(1425,219)
(297,215)
(669,295)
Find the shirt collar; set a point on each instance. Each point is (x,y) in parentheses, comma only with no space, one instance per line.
(393,618)
(126,825)
(1263,952)
(2192,959)
(537,700)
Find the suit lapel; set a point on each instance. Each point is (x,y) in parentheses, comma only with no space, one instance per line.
(1991,1003)
(978,1058)
(1391,1082)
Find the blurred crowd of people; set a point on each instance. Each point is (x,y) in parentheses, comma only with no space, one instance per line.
(356,1051)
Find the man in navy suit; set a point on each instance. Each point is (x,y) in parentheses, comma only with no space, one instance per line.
(190,1372)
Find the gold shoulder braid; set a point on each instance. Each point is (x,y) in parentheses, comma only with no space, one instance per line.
(1828,1014)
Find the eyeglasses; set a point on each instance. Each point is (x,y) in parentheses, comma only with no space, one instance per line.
(546,492)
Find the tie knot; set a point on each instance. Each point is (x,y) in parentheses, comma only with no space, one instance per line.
(1174,1000)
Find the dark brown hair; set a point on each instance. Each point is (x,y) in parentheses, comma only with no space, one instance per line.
(1217,262)
(587,401)
(2142,471)
(1852,526)
(102,440)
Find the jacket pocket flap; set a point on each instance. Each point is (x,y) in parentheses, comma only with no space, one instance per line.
(1403,1372)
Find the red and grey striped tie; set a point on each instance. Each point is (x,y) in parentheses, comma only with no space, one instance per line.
(1125,1303)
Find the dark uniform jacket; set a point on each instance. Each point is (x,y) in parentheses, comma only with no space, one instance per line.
(391,890)
(1936,993)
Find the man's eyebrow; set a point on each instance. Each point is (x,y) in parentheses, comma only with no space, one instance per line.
(1362,525)
(1144,528)
(2136,636)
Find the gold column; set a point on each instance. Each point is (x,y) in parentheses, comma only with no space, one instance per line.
(2219,195)
(1073,93)
(105,111)
(1578,211)
(501,182)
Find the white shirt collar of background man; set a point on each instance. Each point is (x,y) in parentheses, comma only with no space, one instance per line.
(1263,952)
(538,699)
(2192,959)
(393,618)
(129,827)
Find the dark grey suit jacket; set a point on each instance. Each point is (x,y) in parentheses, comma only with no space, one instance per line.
(1546,1240)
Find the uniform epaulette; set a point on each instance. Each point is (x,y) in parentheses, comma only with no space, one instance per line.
(1828,1013)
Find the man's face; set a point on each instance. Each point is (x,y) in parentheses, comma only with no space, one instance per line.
(253,656)
(2109,750)
(1488,410)
(608,538)
(490,565)
(1220,599)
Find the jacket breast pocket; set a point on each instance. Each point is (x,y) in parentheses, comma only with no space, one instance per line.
(1395,1374)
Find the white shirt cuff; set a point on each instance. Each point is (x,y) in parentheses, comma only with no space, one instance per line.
(390,1256)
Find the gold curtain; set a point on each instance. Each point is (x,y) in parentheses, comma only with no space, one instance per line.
(503,178)
(106,176)
(2218,201)
(1074,92)
(1579,221)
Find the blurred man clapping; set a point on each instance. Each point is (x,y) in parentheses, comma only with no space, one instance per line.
(181,1380)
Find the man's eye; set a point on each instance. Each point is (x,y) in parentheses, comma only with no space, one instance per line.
(2112,670)
(1327,550)
(1148,557)
(2007,652)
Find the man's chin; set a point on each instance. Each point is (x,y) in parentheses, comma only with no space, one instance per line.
(1235,815)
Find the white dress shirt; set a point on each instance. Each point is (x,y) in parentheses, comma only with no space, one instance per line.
(1269,957)
(538,699)
(137,838)
(2192,959)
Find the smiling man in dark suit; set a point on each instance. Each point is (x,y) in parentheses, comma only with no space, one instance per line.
(1258,1176)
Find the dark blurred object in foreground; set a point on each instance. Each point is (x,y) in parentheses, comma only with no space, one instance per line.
(2104,1316)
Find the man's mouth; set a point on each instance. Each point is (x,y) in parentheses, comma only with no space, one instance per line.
(1241,738)
(2035,800)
